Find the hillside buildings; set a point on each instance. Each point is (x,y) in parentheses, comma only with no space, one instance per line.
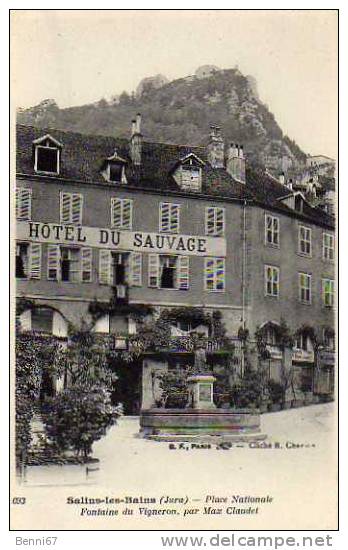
(169,226)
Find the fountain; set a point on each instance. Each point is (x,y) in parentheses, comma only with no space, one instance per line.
(201,420)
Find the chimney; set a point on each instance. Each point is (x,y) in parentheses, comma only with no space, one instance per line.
(289,184)
(216,148)
(282,178)
(236,162)
(135,144)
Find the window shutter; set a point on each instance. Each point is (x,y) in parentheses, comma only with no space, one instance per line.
(53,258)
(76,208)
(116,213)
(220,274)
(153,270)
(174,218)
(104,267)
(86,265)
(209,220)
(135,263)
(219,221)
(164,214)
(23,203)
(127,214)
(35,261)
(208,273)
(65,207)
(183,272)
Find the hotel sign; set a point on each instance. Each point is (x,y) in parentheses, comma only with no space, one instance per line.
(141,241)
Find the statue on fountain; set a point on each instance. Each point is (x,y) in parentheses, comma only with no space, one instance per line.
(201,381)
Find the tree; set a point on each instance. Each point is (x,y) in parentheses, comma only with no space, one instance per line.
(81,414)
(35,354)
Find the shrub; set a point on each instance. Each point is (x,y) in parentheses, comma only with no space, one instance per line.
(276,391)
(79,416)
(174,388)
(248,391)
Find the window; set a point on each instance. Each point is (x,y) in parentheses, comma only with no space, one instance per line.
(71,208)
(22,260)
(214,274)
(271,280)
(166,271)
(328,246)
(115,172)
(119,269)
(214,221)
(47,160)
(328,292)
(23,203)
(305,294)
(298,203)
(42,320)
(67,264)
(301,341)
(121,213)
(271,230)
(70,265)
(304,240)
(28,260)
(191,177)
(329,338)
(169,217)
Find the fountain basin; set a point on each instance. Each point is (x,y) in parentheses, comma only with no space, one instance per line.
(201,424)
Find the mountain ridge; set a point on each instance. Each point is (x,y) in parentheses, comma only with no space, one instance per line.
(181,112)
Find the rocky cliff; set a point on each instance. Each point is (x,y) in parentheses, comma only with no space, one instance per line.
(181,112)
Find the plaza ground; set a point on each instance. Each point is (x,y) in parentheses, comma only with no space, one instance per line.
(297,469)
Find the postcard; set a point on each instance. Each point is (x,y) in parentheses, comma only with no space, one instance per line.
(173,195)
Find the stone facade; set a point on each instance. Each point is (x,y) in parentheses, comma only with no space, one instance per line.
(242,298)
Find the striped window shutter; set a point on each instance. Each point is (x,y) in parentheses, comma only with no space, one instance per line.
(53,261)
(220,274)
(153,274)
(169,217)
(183,272)
(35,261)
(209,220)
(23,203)
(121,213)
(116,213)
(86,265)
(105,267)
(174,218)
(127,214)
(76,208)
(219,221)
(164,217)
(135,264)
(65,207)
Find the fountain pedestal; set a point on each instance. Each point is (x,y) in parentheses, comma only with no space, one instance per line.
(200,388)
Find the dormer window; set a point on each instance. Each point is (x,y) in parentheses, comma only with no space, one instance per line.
(188,173)
(47,152)
(191,177)
(114,169)
(115,172)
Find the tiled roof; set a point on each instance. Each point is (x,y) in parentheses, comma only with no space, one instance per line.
(83,157)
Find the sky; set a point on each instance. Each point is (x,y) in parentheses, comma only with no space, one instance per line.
(78,57)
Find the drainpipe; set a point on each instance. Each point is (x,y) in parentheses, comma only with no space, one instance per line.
(244,263)
(243,283)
